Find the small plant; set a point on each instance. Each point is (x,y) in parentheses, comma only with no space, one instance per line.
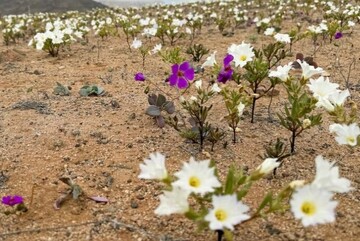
(16,202)
(220,206)
(51,41)
(197,51)
(235,101)
(297,115)
(91,90)
(172,56)
(74,191)
(158,103)
(276,150)
(61,90)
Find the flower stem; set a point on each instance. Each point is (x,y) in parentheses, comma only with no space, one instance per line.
(220,234)
(253,110)
(292,142)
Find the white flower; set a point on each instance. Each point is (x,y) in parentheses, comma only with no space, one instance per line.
(306,123)
(327,177)
(227,211)
(313,205)
(156,48)
(269,31)
(197,177)
(182,99)
(240,109)
(322,88)
(198,84)
(215,88)
(308,70)
(154,168)
(193,99)
(345,134)
(242,53)
(136,43)
(175,201)
(283,38)
(297,183)
(336,99)
(282,72)
(268,165)
(351,23)
(210,61)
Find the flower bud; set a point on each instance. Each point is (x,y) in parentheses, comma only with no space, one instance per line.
(268,165)
(306,123)
(296,184)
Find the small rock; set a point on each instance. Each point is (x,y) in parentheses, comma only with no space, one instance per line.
(66,158)
(75,132)
(115,104)
(134,204)
(326,74)
(140,197)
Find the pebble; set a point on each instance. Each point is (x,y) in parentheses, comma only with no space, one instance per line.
(134,204)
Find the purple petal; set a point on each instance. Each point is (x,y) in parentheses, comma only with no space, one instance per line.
(189,74)
(175,68)
(338,35)
(12,200)
(182,83)
(224,76)
(173,79)
(184,66)
(99,199)
(228,59)
(139,76)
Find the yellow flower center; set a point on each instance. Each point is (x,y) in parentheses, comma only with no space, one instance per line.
(350,140)
(220,215)
(308,208)
(194,182)
(243,57)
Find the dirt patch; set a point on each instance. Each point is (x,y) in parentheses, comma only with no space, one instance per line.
(102,140)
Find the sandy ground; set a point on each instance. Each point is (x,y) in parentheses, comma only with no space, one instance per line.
(102,140)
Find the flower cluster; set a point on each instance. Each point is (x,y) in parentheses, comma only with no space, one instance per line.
(327,94)
(56,35)
(313,203)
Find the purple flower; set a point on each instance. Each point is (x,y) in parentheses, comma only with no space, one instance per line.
(338,35)
(12,200)
(181,75)
(226,72)
(139,77)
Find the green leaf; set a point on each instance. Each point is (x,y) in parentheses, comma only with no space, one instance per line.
(192,215)
(85,91)
(230,181)
(76,191)
(160,100)
(169,107)
(153,110)
(228,235)
(66,180)
(152,99)
(242,193)
(99,90)
(241,180)
(160,121)
(267,199)
(61,90)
